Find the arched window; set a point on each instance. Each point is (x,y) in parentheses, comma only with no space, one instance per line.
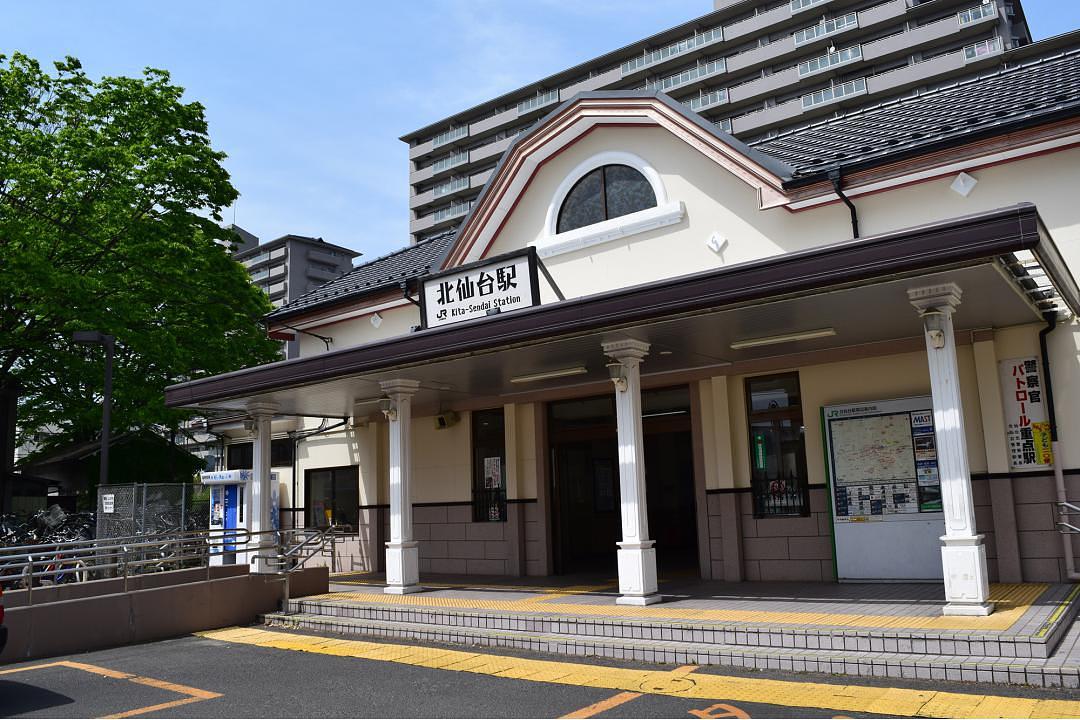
(607,192)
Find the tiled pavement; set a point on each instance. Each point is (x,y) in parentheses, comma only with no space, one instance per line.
(893,630)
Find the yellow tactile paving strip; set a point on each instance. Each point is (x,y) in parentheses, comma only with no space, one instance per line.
(700,686)
(1011,602)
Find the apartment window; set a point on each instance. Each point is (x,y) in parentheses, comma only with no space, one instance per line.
(797,5)
(332,496)
(777,446)
(241,456)
(607,192)
(489,466)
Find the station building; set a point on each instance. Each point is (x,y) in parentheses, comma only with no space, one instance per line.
(848,352)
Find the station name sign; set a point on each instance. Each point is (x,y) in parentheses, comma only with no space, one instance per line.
(497,285)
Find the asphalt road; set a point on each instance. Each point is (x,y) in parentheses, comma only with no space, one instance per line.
(201,677)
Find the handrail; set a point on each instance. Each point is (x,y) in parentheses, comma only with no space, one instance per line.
(1067,509)
(280,551)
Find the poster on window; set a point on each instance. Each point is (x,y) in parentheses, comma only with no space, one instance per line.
(1027,431)
(490,287)
(493,473)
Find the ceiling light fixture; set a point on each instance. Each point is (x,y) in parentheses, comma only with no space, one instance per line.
(550,375)
(777,339)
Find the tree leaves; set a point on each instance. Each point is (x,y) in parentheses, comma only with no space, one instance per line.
(110,199)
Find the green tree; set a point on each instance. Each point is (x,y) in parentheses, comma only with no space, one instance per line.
(110,202)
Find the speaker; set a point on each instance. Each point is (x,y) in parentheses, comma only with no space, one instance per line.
(446,419)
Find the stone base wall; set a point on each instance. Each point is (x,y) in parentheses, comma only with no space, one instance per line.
(800,548)
(1042,555)
(450,542)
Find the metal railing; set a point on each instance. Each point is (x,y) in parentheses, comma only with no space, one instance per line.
(279,551)
(1066,511)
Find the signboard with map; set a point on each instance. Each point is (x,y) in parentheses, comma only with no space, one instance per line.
(885,488)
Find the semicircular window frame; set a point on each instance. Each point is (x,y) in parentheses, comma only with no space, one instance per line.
(601,194)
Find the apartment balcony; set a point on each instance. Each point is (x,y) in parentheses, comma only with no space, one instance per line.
(276,289)
(420,150)
(905,42)
(420,224)
(917,74)
(763,86)
(767,117)
(492,150)
(453,137)
(482,127)
(421,199)
(596,82)
(421,174)
(692,78)
(683,50)
(760,22)
(775,52)
(480,179)
(318,273)
(325,257)
(884,84)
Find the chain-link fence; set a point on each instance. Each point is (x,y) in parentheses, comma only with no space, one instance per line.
(150,508)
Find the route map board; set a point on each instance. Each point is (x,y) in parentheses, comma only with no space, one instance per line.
(885,489)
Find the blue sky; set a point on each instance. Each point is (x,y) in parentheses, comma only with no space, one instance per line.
(308,98)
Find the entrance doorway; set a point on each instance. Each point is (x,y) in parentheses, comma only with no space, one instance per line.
(585,482)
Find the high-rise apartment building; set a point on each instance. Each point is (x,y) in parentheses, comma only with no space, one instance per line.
(755,68)
(291,266)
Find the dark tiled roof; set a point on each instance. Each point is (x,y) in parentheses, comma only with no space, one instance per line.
(378,274)
(947,115)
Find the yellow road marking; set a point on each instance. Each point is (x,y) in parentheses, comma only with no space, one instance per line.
(1012,601)
(1058,611)
(599,707)
(699,686)
(193,694)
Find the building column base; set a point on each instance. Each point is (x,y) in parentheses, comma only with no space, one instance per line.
(402,568)
(967,584)
(637,574)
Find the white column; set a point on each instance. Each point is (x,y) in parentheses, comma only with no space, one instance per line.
(963,555)
(402,553)
(259,519)
(637,557)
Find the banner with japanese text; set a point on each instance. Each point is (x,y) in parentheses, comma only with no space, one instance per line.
(1027,429)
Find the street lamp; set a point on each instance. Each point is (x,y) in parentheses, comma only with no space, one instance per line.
(93,337)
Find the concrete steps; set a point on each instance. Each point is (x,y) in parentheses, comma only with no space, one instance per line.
(914,642)
(672,643)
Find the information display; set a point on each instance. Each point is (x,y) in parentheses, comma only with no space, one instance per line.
(885,488)
(883,463)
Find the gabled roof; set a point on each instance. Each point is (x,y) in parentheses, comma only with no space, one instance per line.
(991,104)
(388,271)
(578,116)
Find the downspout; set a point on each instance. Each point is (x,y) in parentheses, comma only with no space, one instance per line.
(836,176)
(1059,474)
